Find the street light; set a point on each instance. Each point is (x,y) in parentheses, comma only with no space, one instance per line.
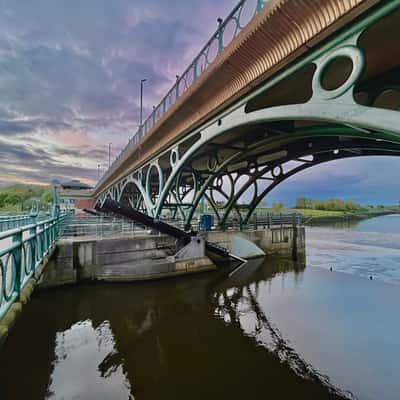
(141,101)
(98,171)
(109,154)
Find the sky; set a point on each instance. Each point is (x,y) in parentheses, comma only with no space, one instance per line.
(69,85)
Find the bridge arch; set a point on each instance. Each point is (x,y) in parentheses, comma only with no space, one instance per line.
(348,109)
(333,111)
(298,157)
(134,194)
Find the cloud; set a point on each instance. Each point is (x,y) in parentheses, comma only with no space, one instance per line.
(14,127)
(69,85)
(70,73)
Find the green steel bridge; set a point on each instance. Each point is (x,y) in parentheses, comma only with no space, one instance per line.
(282,86)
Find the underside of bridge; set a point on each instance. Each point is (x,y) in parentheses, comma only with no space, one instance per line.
(339,100)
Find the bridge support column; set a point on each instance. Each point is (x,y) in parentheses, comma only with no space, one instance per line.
(284,241)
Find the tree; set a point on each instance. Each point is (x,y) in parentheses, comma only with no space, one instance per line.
(3,197)
(47,197)
(13,198)
(20,197)
(277,207)
(301,202)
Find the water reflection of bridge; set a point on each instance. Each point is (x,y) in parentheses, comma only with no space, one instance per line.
(172,339)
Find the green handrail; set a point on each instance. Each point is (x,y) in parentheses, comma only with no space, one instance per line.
(15,221)
(22,250)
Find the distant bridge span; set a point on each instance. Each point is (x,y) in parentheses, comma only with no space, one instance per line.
(304,82)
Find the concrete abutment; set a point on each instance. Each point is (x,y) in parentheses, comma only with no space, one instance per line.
(148,257)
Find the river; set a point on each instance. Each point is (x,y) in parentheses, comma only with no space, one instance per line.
(275,329)
(370,248)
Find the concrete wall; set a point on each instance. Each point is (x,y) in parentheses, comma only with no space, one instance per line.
(122,259)
(149,257)
(284,241)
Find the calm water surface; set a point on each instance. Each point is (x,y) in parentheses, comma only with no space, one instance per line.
(275,329)
(370,248)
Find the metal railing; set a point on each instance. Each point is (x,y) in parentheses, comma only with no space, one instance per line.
(17,221)
(101,227)
(21,252)
(264,220)
(107,225)
(227,30)
(273,219)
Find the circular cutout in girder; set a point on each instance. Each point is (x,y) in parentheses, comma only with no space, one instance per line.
(336,73)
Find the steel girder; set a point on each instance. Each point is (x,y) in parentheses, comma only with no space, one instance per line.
(235,153)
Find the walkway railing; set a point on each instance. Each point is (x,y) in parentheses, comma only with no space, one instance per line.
(21,252)
(108,226)
(15,221)
(273,219)
(264,220)
(227,30)
(101,227)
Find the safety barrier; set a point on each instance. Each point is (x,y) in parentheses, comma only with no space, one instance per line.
(15,221)
(22,250)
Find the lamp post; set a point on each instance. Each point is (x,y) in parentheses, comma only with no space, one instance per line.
(98,171)
(109,154)
(141,101)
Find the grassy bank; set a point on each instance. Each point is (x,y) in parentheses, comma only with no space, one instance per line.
(315,217)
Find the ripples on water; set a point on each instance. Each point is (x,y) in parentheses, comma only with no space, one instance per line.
(370,248)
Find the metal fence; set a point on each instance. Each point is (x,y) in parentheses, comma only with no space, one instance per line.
(101,227)
(264,220)
(17,221)
(227,30)
(273,219)
(104,226)
(21,252)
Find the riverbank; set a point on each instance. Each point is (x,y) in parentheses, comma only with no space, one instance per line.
(321,217)
(327,217)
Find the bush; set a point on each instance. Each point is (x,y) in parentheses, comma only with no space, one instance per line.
(327,205)
(277,207)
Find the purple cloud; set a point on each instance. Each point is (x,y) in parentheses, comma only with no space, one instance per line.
(69,85)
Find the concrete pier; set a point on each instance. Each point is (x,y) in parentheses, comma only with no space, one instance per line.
(151,256)
(284,240)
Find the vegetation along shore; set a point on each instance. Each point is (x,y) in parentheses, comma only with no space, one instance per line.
(316,212)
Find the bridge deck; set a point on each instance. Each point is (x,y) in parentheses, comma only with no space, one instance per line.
(280,33)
